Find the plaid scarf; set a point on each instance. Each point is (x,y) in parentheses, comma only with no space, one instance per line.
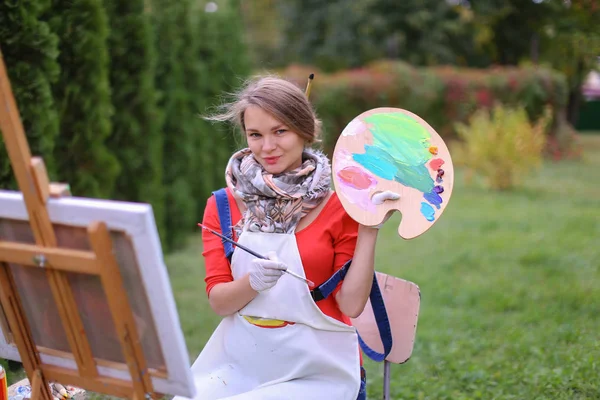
(276,203)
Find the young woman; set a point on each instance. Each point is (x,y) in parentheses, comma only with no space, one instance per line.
(275,341)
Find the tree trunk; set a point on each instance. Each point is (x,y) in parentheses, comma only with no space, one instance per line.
(575,95)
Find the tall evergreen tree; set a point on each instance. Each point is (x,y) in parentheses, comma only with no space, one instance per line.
(332,34)
(136,139)
(170,20)
(30,52)
(83,98)
(225,61)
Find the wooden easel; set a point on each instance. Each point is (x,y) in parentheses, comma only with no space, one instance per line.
(33,182)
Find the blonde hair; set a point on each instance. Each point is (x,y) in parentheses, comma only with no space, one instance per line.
(280,98)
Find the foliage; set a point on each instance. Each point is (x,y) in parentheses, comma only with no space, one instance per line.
(422,32)
(200,56)
(262,31)
(508,28)
(572,46)
(501,145)
(30,51)
(136,138)
(171,21)
(441,96)
(332,35)
(225,64)
(83,98)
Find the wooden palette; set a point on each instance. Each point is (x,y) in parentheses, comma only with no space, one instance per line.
(393,149)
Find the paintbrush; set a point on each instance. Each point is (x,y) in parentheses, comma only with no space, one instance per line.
(310,79)
(255,254)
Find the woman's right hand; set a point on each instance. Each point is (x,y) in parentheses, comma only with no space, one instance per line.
(265,273)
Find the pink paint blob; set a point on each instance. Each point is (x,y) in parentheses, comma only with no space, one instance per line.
(356,177)
(436,163)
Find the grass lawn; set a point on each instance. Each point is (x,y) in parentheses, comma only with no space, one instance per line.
(510,286)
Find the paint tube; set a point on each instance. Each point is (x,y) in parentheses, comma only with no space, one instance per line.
(61,390)
(3,384)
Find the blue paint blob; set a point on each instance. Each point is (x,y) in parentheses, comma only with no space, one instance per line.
(433,198)
(378,161)
(427,211)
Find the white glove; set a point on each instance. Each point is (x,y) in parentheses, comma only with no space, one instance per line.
(266,273)
(380,198)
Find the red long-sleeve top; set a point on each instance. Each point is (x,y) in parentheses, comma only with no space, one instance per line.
(324,245)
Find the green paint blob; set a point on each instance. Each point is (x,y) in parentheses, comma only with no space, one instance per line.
(400,150)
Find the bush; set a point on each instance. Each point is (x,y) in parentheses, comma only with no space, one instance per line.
(442,96)
(83,97)
(136,138)
(501,145)
(30,52)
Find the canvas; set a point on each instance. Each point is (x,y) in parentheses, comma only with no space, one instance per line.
(138,253)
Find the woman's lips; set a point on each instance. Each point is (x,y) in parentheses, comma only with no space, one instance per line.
(271,160)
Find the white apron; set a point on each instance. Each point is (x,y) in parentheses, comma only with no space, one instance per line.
(314,357)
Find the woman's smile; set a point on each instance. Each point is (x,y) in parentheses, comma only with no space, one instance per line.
(271,160)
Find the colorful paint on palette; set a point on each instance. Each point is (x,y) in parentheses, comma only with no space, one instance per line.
(354,181)
(427,211)
(433,198)
(356,178)
(436,164)
(399,150)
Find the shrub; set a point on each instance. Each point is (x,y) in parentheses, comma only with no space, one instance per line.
(83,98)
(501,144)
(442,96)
(30,52)
(136,138)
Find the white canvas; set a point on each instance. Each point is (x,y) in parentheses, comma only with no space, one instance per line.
(137,221)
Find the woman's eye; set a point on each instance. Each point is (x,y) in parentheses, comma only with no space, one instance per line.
(254,135)
(280,131)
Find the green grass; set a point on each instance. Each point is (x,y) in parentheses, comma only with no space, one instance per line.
(510,286)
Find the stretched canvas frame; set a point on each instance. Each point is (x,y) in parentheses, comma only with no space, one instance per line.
(135,223)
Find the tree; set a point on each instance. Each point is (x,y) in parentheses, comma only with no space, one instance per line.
(571,44)
(263,32)
(30,52)
(136,138)
(171,20)
(225,65)
(422,32)
(83,98)
(512,25)
(330,35)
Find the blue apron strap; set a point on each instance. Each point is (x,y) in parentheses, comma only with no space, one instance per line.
(225,220)
(383,325)
(325,289)
(379,311)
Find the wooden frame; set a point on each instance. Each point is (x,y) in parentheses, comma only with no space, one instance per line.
(41,255)
(136,222)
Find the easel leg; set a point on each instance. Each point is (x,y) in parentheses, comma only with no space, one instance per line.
(39,390)
(23,339)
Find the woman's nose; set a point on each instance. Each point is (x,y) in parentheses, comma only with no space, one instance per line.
(269,143)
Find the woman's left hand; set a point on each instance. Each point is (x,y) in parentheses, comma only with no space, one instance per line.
(380,198)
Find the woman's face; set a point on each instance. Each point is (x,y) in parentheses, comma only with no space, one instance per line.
(273,145)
